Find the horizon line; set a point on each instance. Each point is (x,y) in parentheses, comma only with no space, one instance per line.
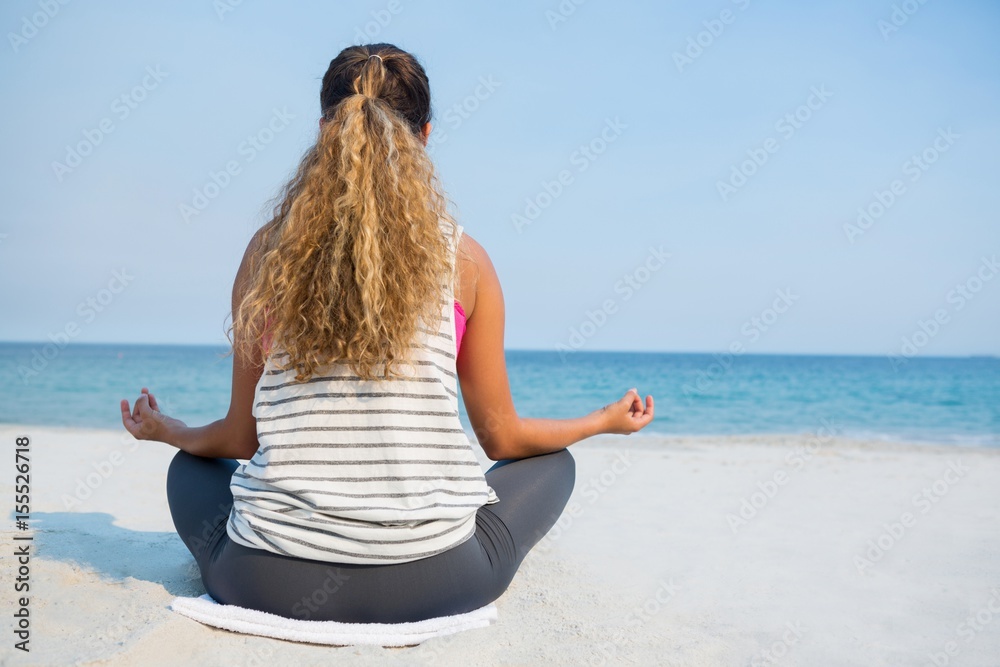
(986,355)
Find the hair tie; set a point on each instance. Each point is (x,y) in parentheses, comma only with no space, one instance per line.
(375,55)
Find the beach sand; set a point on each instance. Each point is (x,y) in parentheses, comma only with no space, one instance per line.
(847,553)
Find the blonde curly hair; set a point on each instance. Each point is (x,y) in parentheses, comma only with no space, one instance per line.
(356,256)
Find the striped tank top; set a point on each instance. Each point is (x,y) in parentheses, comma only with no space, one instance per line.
(356,471)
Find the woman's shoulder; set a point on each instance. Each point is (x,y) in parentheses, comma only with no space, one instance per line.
(476,272)
(470,250)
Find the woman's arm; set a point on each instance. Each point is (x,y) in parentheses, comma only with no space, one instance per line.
(234,436)
(482,371)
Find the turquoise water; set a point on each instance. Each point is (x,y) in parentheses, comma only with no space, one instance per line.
(951,400)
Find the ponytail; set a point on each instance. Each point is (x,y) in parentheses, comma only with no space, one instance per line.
(357,255)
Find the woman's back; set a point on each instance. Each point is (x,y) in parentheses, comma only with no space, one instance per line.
(361,471)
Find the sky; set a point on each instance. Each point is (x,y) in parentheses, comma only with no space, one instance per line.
(778,177)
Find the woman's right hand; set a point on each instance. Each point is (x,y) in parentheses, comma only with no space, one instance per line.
(627,414)
(146,422)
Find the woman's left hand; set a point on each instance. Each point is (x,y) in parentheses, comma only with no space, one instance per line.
(146,422)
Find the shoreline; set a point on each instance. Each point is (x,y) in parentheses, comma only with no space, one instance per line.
(978,356)
(655,439)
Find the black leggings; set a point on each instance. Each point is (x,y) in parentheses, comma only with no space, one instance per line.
(532,493)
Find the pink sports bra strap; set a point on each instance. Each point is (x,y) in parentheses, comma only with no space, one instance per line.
(459,326)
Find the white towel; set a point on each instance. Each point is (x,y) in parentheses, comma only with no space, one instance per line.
(206,610)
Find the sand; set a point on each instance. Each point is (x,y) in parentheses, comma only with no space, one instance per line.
(757,550)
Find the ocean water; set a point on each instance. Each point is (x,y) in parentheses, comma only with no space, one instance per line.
(945,400)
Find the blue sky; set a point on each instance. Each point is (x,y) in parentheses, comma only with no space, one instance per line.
(646,176)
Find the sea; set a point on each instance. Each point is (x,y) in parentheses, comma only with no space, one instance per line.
(949,400)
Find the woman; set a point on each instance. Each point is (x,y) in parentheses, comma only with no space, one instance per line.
(361,499)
